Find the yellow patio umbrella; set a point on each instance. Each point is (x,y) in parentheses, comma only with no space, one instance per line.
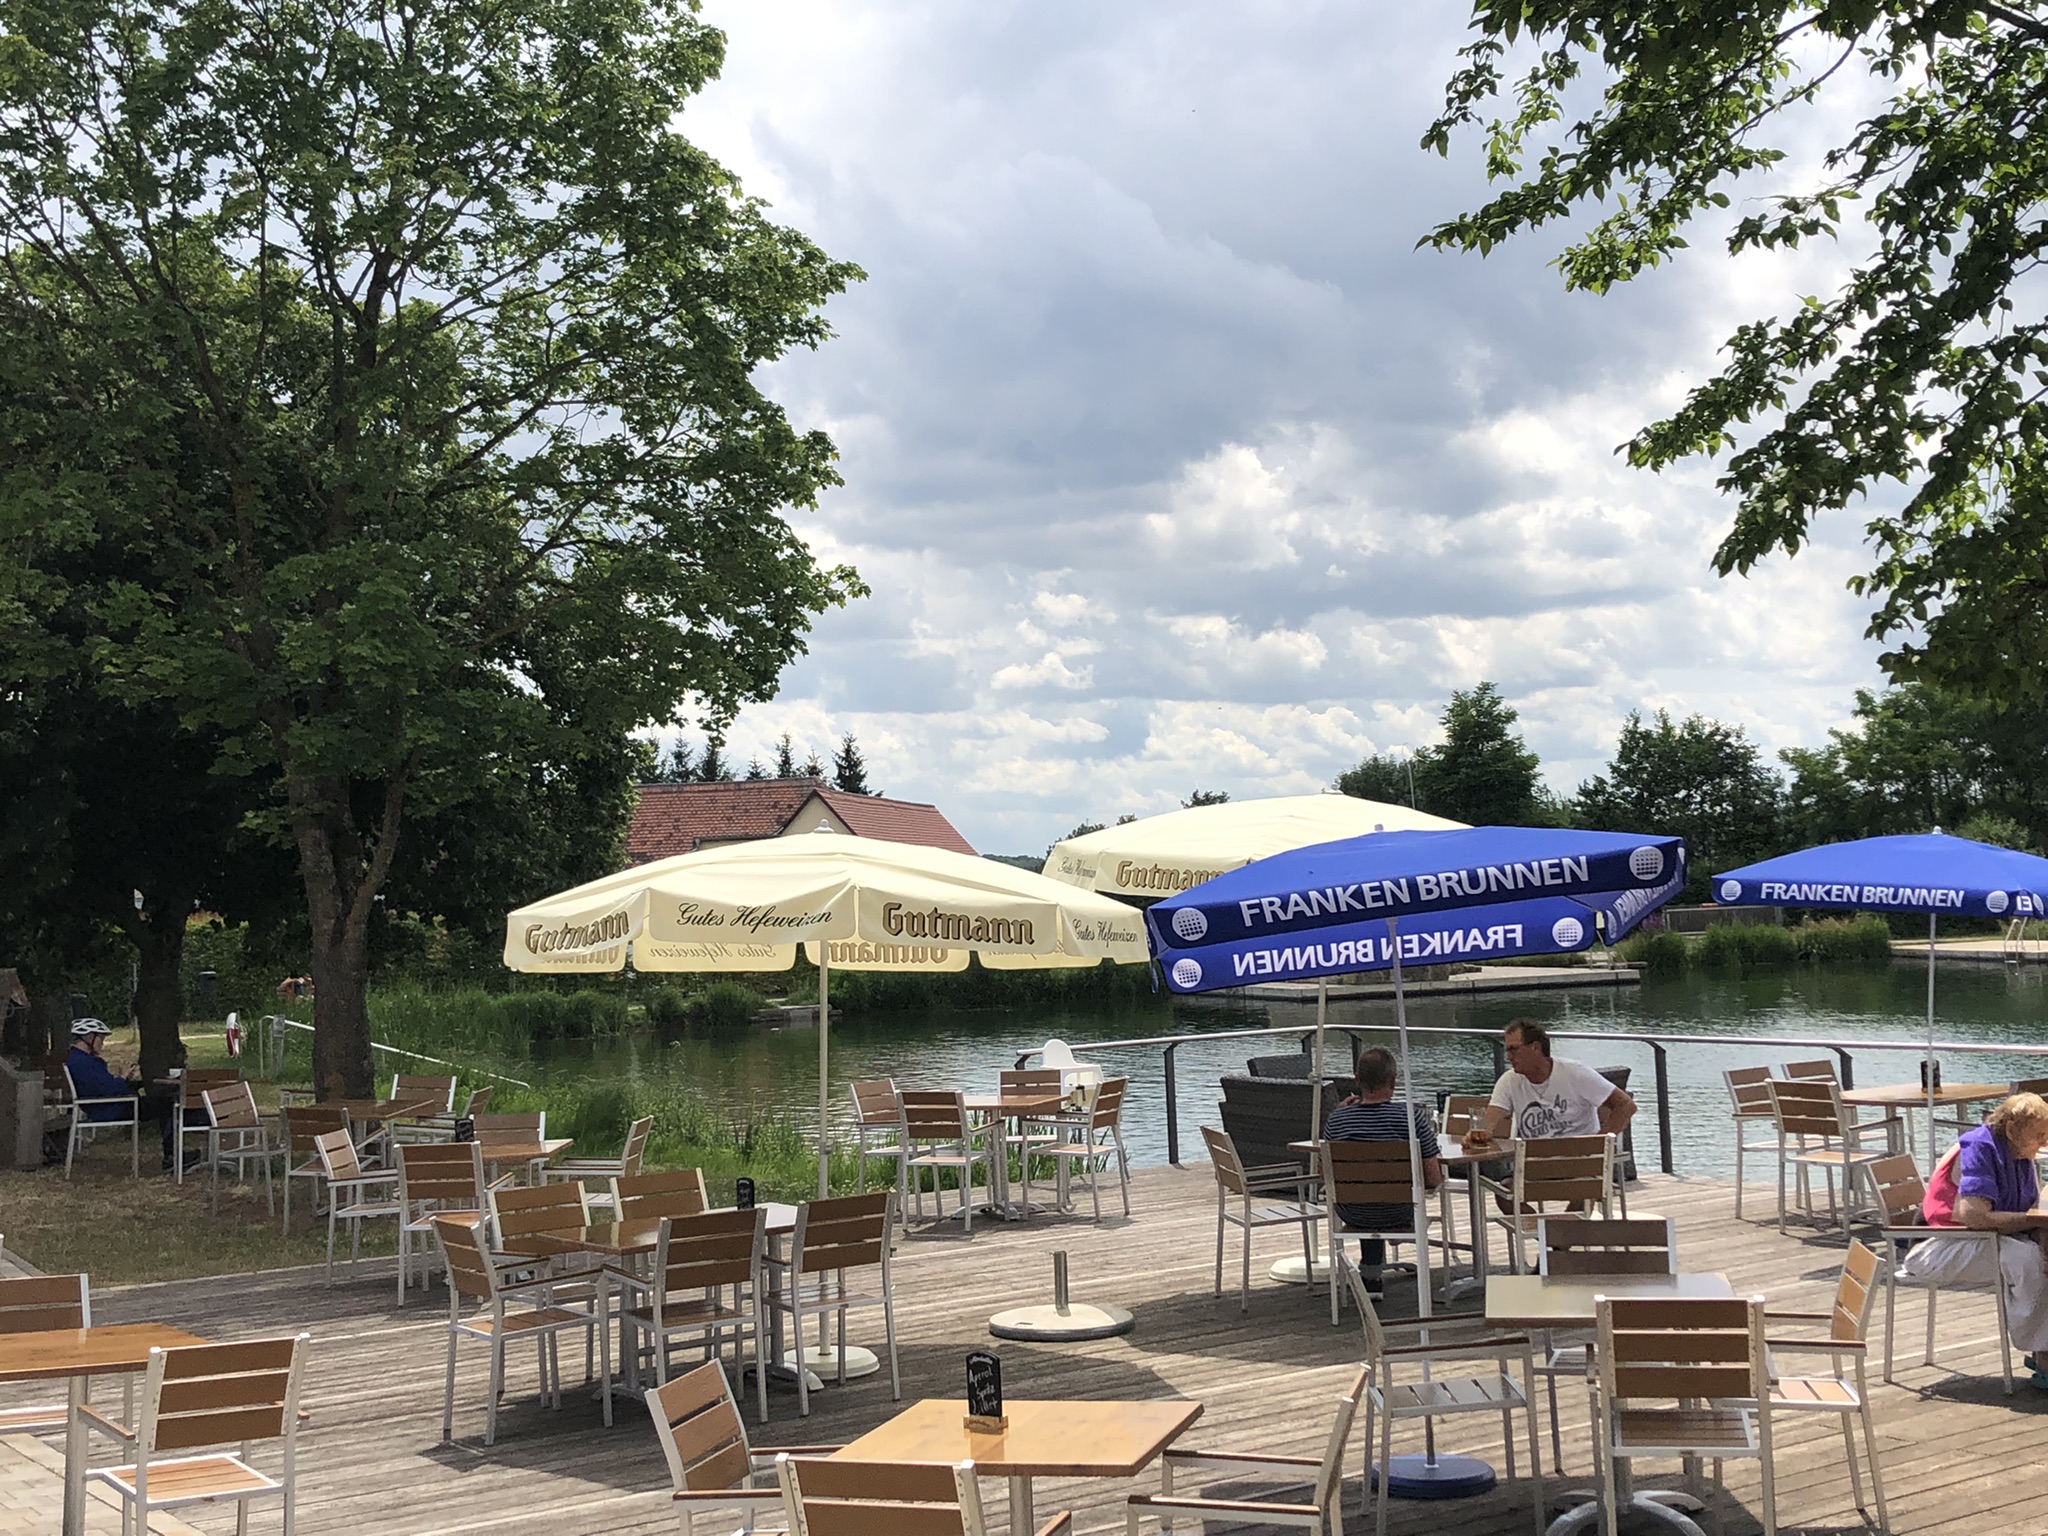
(857,903)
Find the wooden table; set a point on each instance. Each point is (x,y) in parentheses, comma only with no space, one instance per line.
(531,1153)
(1044,1439)
(73,1355)
(997,1108)
(620,1239)
(1910,1095)
(1532,1302)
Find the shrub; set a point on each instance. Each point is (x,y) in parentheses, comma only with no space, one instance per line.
(1865,940)
(533,1017)
(1659,954)
(724,1005)
(588,1015)
(667,1011)
(1747,946)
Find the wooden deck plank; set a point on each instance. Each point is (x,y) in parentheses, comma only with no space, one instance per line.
(371,1457)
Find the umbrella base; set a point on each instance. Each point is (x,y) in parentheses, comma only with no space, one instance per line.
(1048,1324)
(1447,1477)
(1296,1271)
(824,1363)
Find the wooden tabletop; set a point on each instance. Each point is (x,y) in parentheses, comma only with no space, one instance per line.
(619,1238)
(1530,1301)
(1906,1095)
(1008,1104)
(525,1151)
(51,1354)
(1044,1439)
(388,1109)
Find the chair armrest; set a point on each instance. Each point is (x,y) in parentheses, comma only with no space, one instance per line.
(1458,1349)
(1973,1232)
(729,1497)
(119,1098)
(1817,1346)
(1059,1525)
(379,1176)
(1441,1320)
(1194,1458)
(767,1458)
(1801,1317)
(96,1420)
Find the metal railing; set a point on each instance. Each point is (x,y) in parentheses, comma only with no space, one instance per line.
(278,1024)
(1657,1045)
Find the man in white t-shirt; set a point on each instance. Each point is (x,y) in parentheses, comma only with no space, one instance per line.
(1538,1096)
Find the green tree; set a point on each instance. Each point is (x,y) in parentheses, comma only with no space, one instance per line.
(1389,780)
(1923,369)
(850,769)
(785,758)
(1206,797)
(1482,772)
(677,766)
(418,349)
(1705,781)
(712,767)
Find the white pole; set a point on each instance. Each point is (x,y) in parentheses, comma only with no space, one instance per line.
(824,1055)
(1415,1189)
(1932,919)
(1315,1117)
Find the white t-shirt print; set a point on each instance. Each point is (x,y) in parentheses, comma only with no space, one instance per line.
(1568,1104)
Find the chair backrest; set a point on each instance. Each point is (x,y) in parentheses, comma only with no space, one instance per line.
(1368,1314)
(875,1102)
(1026,1082)
(934,1115)
(1330,1476)
(424,1088)
(1660,1349)
(1855,1294)
(232,1107)
(668,1192)
(694,1254)
(878,1498)
(198,1079)
(636,1144)
(556,1206)
(1809,1107)
(701,1434)
(305,1124)
(1634,1245)
(1109,1103)
(1899,1188)
(1367,1173)
(1809,1071)
(470,1270)
(1564,1168)
(1463,1114)
(844,1233)
(217,1394)
(1750,1090)
(2027,1085)
(1224,1159)
(526,1127)
(42,1303)
(337,1153)
(441,1175)
(479,1101)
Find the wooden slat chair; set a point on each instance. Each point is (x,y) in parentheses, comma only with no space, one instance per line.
(505,1310)
(1576,1172)
(354,1194)
(302,1126)
(1574,1247)
(1816,1131)
(520,1129)
(1900,1191)
(1252,1198)
(436,1179)
(193,1083)
(833,1239)
(878,1133)
(941,1136)
(1749,1092)
(241,1136)
(1030,1135)
(1365,1173)
(1844,1391)
(1095,1136)
(665,1192)
(1323,1475)
(42,1304)
(1431,1396)
(212,1395)
(1872,1119)
(581,1170)
(1685,1380)
(444,1127)
(425,1087)
(879,1498)
(710,1464)
(126,1116)
(707,1288)
(547,1210)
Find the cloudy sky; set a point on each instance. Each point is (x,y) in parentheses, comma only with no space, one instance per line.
(1173,463)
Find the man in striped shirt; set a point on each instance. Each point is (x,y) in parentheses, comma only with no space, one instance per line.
(1372,1115)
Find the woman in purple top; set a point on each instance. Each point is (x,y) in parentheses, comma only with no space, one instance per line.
(1987,1183)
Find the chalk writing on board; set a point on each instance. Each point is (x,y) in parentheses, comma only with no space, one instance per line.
(984,1385)
(743,1194)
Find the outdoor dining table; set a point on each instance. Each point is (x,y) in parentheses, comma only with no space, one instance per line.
(1522,1302)
(74,1355)
(530,1154)
(1044,1438)
(1912,1096)
(995,1109)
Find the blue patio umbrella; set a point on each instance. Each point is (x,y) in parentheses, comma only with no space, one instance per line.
(1927,872)
(1393,898)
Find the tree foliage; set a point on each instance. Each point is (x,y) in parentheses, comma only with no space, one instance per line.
(1698,778)
(1382,777)
(1206,797)
(417,348)
(1924,370)
(850,769)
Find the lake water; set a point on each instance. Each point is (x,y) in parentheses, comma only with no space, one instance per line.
(768,1072)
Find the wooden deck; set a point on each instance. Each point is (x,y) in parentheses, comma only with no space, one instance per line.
(372,1461)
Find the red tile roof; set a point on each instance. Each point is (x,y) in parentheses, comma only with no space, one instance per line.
(681,818)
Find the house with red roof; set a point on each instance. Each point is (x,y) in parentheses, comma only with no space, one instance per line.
(681,818)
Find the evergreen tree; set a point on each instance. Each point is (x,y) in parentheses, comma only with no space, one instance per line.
(712,767)
(849,770)
(813,769)
(1206,797)
(1483,773)
(678,767)
(755,772)
(785,758)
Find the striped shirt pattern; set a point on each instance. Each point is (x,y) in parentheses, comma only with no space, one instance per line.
(1381,1122)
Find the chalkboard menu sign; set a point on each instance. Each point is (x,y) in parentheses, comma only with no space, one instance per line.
(465,1129)
(1924,1065)
(743,1194)
(985,1392)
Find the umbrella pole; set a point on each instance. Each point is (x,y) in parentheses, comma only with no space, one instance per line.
(1315,1114)
(824,1053)
(1928,1070)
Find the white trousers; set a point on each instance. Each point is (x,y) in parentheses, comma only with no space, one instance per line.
(2022,1266)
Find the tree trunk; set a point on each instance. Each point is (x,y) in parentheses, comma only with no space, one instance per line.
(341,1011)
(159,989)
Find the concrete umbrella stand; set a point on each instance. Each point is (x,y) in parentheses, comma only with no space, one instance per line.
(1065,1321)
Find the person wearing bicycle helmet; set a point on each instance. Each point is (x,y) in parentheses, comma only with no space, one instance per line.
(94,1079)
